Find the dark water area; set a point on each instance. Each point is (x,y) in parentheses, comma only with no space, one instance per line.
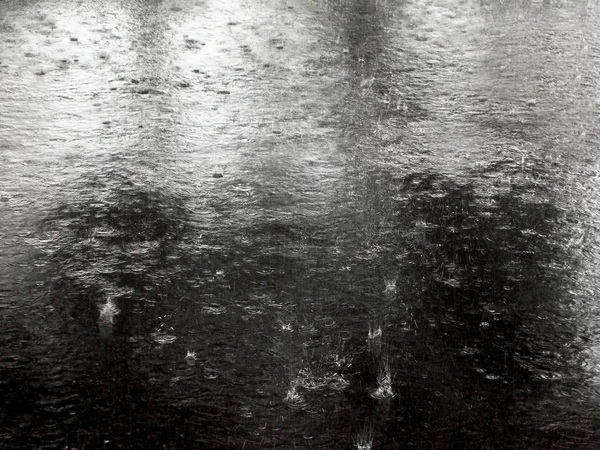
(314,224)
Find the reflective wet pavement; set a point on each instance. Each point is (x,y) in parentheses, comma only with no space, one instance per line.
(315,224)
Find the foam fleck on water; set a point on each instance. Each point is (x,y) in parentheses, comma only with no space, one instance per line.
(108,311)
(293,396)
(384,382)
(190,358)
(364,439)
(375,331)
(390,284)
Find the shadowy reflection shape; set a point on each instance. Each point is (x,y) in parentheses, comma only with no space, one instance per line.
(481,328)
(362,28)
(116,248)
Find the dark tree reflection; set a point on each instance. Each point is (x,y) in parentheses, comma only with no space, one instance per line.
(481,324)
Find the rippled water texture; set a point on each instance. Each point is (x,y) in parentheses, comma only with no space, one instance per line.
(315,224)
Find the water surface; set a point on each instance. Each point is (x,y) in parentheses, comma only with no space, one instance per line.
(315,224)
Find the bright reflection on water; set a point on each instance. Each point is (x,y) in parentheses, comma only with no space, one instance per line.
(316,224)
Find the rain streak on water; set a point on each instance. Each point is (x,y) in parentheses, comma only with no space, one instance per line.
(311,224)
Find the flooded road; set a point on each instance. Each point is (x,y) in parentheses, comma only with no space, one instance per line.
(314,224)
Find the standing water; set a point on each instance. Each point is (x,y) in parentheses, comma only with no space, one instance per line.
(313,224)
